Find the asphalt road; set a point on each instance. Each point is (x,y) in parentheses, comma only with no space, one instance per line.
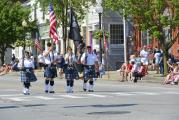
(112,100)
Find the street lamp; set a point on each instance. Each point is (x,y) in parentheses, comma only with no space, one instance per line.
(99,10)
(24,24)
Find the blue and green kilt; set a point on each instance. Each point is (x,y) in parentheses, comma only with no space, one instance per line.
(50,71)
(89,72)
(79,67)
(27,75)
(71,73)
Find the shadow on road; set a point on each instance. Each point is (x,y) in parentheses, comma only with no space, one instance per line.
(101,106)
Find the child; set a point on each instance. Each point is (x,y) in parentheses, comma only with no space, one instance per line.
(101,70)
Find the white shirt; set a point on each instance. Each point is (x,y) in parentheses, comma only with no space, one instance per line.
(144,57)
(144,54)
(69,59)
(27,63)
(91,58)
(51,57)
(41,58)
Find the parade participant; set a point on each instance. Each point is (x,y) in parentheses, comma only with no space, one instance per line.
(60,64)
(27,73)
(79,65)
(89,59)
(41,60)
(70,71)
(50,72)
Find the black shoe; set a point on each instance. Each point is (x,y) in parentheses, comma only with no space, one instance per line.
(52,92)
(176,83)
(46,91)
(135,80)
(90,90)
(26,93)
(84,89)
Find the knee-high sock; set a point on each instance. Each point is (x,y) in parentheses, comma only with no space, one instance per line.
(51,87)
(68,89)
(46,85)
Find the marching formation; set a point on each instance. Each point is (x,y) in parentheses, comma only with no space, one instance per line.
(84,65)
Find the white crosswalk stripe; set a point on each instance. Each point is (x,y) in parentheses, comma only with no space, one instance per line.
(46,98)
(122,94)
(11,95)
(18,99)
(70,96)
(171,92)
(56,96)
(95,95)
(145,93)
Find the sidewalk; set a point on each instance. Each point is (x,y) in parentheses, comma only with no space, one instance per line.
(152,77)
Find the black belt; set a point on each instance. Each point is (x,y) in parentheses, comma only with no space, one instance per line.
(89,66)
(50,65)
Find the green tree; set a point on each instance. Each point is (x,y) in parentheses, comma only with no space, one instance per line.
(11,16)
(61,8)
(156,16)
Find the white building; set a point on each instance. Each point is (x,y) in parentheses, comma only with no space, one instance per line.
(42,18)
(112,23)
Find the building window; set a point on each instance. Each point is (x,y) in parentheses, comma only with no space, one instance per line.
(116,34)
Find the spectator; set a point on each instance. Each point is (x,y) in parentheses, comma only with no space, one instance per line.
(13,59)
(176,75)
(138,71)
(157,57)
(15,65)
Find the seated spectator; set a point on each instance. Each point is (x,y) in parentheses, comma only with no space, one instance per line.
(129,70)
(138,71)
(176,74)
(5,69)
(122,71)
(170,78)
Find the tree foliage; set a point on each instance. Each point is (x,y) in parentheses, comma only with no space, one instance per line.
(80,7)
(62,7)
(156,16)
(11,16)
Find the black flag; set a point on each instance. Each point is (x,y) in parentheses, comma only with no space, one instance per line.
(74,28)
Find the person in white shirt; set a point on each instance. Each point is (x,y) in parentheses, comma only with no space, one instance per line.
(88,59)
(27,73)
(71,72)
(41,60)
(144,54)
(50,57)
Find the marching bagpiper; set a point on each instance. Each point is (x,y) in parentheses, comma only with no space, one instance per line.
(27,74)
(70,70)
(89,59)
(50,71)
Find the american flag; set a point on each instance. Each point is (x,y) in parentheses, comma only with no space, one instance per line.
(53,24)
(37,42)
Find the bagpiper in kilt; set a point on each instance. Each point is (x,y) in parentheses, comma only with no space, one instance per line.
(50,71)
(27,74)
(89,59)
(71,72)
